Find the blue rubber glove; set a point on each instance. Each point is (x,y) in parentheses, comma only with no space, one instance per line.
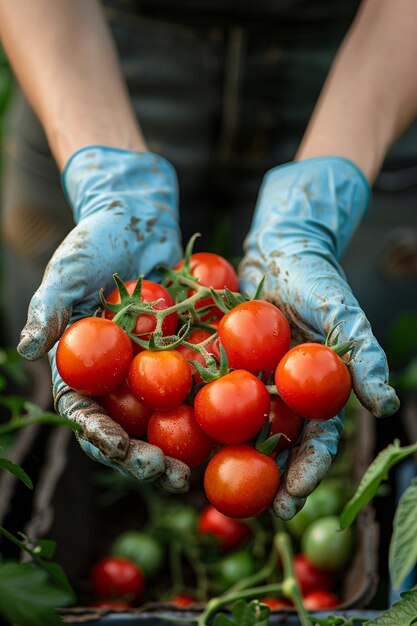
(125,208)
(306,214)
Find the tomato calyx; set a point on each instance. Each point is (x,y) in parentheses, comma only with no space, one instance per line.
(214,369)
(264,444)
(332,341)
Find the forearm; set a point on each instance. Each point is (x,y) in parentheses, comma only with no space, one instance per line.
(370,96)
(64,58)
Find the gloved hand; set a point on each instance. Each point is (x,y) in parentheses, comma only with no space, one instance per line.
(125,208)
(306,214)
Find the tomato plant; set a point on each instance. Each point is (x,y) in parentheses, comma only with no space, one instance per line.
(229,533)
(146,322)
(211,270)
(310,577)
(117,578)
(283,420)
(240,481)
(326,499)
(233,408)
(326,546)
(142,549)
(233,567)
(276,603)
(313,381)
(320,599)
(161,379)
(255,335)
(197,336)
(93,356)
(127,410)
(178,435)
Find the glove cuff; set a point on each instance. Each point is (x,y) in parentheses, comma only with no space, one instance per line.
(98,177)
(329,192)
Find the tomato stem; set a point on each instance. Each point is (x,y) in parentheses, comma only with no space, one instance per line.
(290,586)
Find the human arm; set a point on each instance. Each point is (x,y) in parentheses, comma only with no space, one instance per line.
(308,210)
(124,199)
(65,60)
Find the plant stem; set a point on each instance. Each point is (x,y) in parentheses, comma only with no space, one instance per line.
(215,604)
(290,586)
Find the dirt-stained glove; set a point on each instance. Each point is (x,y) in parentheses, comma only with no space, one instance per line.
(306,214)
(125,205)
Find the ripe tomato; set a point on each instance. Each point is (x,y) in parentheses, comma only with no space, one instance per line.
(182,600)
(211,270)
(230,533)
(314,381)
(127,410)
(276,603)
(142,549)
(93,356)
(178,435)
(197,336)
(117,578)
(284,421)
(255,335)
(320,599)
(326,545)
(240,481)
(233,408)
(161,380)
(310,577)
(146,322)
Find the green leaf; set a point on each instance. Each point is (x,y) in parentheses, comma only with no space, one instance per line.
(374,475)
(27,597)
(333,620)
(401,338)
(403,547)
(17,471)
(222,620)
(402,613)
(44,548)
(245,614)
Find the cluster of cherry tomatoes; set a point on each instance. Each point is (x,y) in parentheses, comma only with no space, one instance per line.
(205,374)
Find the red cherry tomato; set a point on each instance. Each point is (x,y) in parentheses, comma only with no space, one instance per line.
(117,578)
(178,435)
(230,533)
(255,335)
(211,270)
(125,409)
(320,599)
(311,577)
(240,481)
(286,422)
(161,380)
(197,336)
(313,381)
(146,322)
(93,356)
(233,408)
(182,600)
(276,603)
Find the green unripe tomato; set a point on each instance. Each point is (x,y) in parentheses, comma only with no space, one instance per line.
(326,499)
(233,567)
(326,546)
(142,549)
(181,519)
